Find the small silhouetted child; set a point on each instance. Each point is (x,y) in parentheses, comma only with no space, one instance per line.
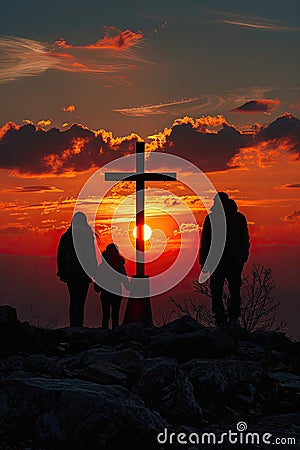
(110,276)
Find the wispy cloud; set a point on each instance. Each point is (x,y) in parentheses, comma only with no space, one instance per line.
(260,26)
(34,189)
(252,22)
(21,57)
(149,110)
(187,228)
(229,99)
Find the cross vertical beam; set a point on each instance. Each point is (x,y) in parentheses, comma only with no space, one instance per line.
(140,210)
(139,310)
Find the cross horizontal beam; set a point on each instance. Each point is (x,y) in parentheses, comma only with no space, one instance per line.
(145,176)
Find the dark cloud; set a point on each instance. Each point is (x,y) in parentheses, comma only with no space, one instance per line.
(290,186)
(28,150)
(285,130)
(209,151)
(31,150)
(293,186)
(258,106)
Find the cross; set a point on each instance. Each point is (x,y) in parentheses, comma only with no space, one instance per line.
(140,177)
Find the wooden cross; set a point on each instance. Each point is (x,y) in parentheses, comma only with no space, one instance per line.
(140,177)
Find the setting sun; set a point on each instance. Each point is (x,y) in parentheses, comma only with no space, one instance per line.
(147,232)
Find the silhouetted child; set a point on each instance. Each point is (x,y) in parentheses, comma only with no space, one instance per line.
(111,274)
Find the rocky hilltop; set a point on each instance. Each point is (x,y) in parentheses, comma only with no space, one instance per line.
(132,387)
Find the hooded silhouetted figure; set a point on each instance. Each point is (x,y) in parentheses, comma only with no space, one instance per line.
(230,266)
(111,274)
(71,270)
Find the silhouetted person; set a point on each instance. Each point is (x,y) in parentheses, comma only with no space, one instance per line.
(111,284)
(70,270)
(230,266)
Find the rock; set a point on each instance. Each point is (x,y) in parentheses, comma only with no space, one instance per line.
(164,387)
(74,414)
(14,335)
(106,389)
(286,381)
(36,364)
(209,343)
(105,365)
(184,324)
(251,351)
(282,426)
(271,340)
(215,380)
(127,359)
(8,316)
(102,372)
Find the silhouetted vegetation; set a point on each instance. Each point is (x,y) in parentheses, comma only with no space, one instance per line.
(258,309)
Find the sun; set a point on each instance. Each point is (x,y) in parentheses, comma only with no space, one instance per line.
(147,232)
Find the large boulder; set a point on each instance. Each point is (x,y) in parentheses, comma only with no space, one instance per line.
(60,413)
(165,388)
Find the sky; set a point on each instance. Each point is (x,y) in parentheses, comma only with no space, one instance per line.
(216,83)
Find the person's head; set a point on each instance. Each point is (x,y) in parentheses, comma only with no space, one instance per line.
(79,220)
(222,197)
(112,248)
(230,206)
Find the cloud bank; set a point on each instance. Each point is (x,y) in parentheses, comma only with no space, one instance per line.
(210,142)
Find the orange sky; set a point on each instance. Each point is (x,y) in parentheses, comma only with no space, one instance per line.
(35,209)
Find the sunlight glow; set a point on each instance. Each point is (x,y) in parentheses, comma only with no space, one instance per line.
(147,232)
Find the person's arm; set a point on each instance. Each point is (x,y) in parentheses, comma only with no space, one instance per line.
(60,258)
(205,240)
(245,238)
(98,278)
(125,279)
(85,246)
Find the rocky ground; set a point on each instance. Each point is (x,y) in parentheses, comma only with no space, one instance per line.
(111,389)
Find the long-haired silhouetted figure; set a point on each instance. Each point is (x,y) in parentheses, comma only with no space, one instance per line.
(230,266)
(70,269)
(111,284)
